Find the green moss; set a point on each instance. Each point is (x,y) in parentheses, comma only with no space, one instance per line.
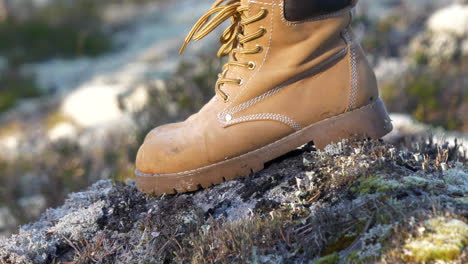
(443,239)
(340,244)
(386,25)
(421,59)
(354,258)
(229,242)
(375,184)
(14,89)
(329,259)
(37,40)
(419,182)
(388,92)
(426,89)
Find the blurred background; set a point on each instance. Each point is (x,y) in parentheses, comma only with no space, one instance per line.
(82,81)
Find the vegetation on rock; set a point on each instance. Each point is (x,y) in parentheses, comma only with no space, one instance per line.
(309,206)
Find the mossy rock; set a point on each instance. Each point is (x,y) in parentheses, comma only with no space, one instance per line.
(38,40)
(16,88)
(441,240)
(375,184)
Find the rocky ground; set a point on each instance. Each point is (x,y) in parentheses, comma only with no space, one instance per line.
(367,203)
(355,202)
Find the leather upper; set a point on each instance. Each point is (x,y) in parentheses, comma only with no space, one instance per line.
(307,71)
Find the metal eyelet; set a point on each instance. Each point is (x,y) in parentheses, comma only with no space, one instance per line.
(264,30)
(226,99)
(260,48)
(251,65)
(241,81)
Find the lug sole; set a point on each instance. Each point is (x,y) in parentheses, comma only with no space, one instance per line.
(371,121)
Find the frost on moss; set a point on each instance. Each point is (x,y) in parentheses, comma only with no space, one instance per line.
(309,206)
(457,180)
(375,184)
(440,239)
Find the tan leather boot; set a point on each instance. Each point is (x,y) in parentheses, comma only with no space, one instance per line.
(295,74)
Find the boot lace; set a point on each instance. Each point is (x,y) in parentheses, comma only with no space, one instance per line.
(232,39)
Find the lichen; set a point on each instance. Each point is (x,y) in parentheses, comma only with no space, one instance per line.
(328,210)
(440,239)
(374,184)
(457,180)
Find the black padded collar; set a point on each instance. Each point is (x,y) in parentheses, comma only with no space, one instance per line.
(297,10)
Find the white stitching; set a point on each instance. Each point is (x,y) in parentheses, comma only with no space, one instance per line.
(197,170)
(301,76)
(251,102)
(353,69)
(310,72)
(266,116)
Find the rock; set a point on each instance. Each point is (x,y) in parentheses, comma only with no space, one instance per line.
(7,219)
(134,100)
(442,238)
(452,19)
(62,131)
(342,206)
(391,69)
(9,143)
(94,104)
(445,36)
(405,126)
(34,205)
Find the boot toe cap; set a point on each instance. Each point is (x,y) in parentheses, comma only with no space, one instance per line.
(168,150)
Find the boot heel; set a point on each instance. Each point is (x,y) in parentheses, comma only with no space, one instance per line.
(371,121)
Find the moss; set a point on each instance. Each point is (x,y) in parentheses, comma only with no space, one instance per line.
(426,90)
(340,244)
(423,183)
(420,59)
(443,239)
(229,241)
(375,184)
(15,88)
(60,28)
(416,181)
(388,92)
(354,258)
(457,180)
(329,259)
(37,40)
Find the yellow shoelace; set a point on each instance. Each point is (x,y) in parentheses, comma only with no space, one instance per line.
(233,37)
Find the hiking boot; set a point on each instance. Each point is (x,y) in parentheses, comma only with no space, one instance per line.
(295,75)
